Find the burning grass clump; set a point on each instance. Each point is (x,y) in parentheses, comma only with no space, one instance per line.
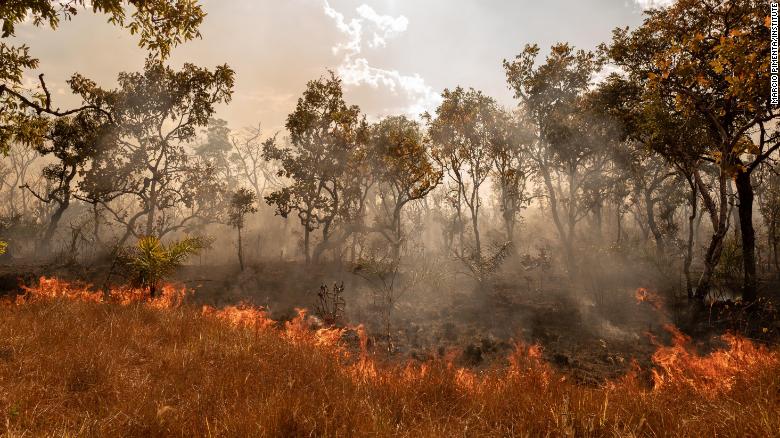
(73,365)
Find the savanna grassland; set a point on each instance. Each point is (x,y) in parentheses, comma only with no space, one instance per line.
(73,363)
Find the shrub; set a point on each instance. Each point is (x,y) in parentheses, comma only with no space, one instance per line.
(150,261)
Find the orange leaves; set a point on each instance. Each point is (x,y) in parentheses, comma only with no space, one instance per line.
(717,66)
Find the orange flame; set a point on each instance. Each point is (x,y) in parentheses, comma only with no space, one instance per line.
(53,288)
(677,367)
(643,295)
(243,315)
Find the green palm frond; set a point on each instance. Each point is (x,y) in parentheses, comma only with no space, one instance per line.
(150,260)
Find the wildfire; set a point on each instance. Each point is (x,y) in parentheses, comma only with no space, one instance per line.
(643,295)
(298,330)
(243,315)
(526,360)
(677,366)
(53,288)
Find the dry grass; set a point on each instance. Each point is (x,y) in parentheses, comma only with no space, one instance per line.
(72,368)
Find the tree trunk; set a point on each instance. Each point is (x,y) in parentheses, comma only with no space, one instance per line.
(96,218)
(152,209)
(306,234)
(52,228)
(598,217)
(398,234)
(553,200)
(734,212)
(477,241)
(240,251)
(510,229)
(694,201)
(660,247)
(774,243)
(719,218)
(748,234)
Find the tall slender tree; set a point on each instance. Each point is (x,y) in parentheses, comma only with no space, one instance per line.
(462,132)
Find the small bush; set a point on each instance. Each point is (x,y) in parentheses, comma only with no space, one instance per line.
(150,261)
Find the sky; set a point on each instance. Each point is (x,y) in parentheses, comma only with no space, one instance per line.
(395,56)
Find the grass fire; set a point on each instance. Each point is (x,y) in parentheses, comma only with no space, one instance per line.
(165,367)
(327,218)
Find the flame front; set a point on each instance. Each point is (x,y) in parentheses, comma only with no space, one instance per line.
(678,367)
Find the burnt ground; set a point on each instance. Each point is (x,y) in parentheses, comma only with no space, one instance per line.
(592,333)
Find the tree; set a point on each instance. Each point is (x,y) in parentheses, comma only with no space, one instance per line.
(247,156)
(216,150)
(512,168)
(404,170)
(159,24)
(711,58)
(769,207)
(326,136)
(156,114)
(568,147)
(462,134)
(241,203)
(17,166)
(658,141)
(73,142)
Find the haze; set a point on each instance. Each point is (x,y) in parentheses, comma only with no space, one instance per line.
(277,46)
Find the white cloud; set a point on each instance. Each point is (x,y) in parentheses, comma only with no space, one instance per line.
(385,25)
(649,4)
(608,69)
(374,30)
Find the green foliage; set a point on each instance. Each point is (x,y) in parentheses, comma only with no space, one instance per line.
(462,133)
(151,261)
(242,203)
(709,60)
(403,169)
(3,247)
(401,158)
(161,109)
(325,165)
(159,24)
(570,144)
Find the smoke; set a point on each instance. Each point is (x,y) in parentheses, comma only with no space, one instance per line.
(373,30)
(650,4)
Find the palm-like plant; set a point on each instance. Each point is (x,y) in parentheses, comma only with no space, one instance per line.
(150,261)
